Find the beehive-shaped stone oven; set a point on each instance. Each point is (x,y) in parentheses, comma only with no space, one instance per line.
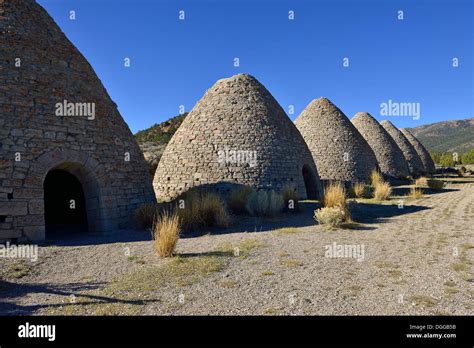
(340,152)
(68,160)
(428,164)
(237,134)
(390,158)
(415,165)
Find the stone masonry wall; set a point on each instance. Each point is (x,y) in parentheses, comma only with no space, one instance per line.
(414,162)
(428,164)
(340,152)
(390,158)
(236,114)
(39,67)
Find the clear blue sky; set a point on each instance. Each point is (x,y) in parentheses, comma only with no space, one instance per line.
(173,62)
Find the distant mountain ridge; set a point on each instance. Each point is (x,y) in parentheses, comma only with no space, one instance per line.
(447,136)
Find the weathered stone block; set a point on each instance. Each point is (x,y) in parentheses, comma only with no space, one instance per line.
(13,208)
(29,125)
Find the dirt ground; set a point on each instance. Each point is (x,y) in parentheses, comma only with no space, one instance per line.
(410,259)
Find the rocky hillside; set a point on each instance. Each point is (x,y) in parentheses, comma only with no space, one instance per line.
(447,136)
(160,133)
(153,140)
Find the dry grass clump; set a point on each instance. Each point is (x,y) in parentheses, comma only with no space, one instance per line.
(335,210)
(330,216)
(416,192)
(435,184)
(382,191)
(360,190)
(188,209)
(420,182)
(376,178)
(166,230)
(335,197)
(290,198)
(202,209)
(265,203)
(238,199)
(144,215)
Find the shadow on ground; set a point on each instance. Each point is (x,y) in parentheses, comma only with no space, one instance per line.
(367,213)
(405,191)
(245,223)
(454,181)
(11,291)
(362,213)
(208,253)
(82,239)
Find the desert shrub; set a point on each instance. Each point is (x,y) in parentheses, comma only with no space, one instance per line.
(376,178)
(265,203)
(198,209)
(431,183)
(435,156)
(238,199)
(144,215)
(420,182)
(447,160)
(276,203)
(416,192)
(166,230)
(435,184)
(467,157)
(257,203)
(290,195)
(331,216)
(213,211)
(382,191)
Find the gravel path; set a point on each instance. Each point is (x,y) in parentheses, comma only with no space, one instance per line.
(416,260)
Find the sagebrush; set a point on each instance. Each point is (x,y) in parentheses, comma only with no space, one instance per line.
(265,203)
(435,184)
(330,216)
(238,198)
